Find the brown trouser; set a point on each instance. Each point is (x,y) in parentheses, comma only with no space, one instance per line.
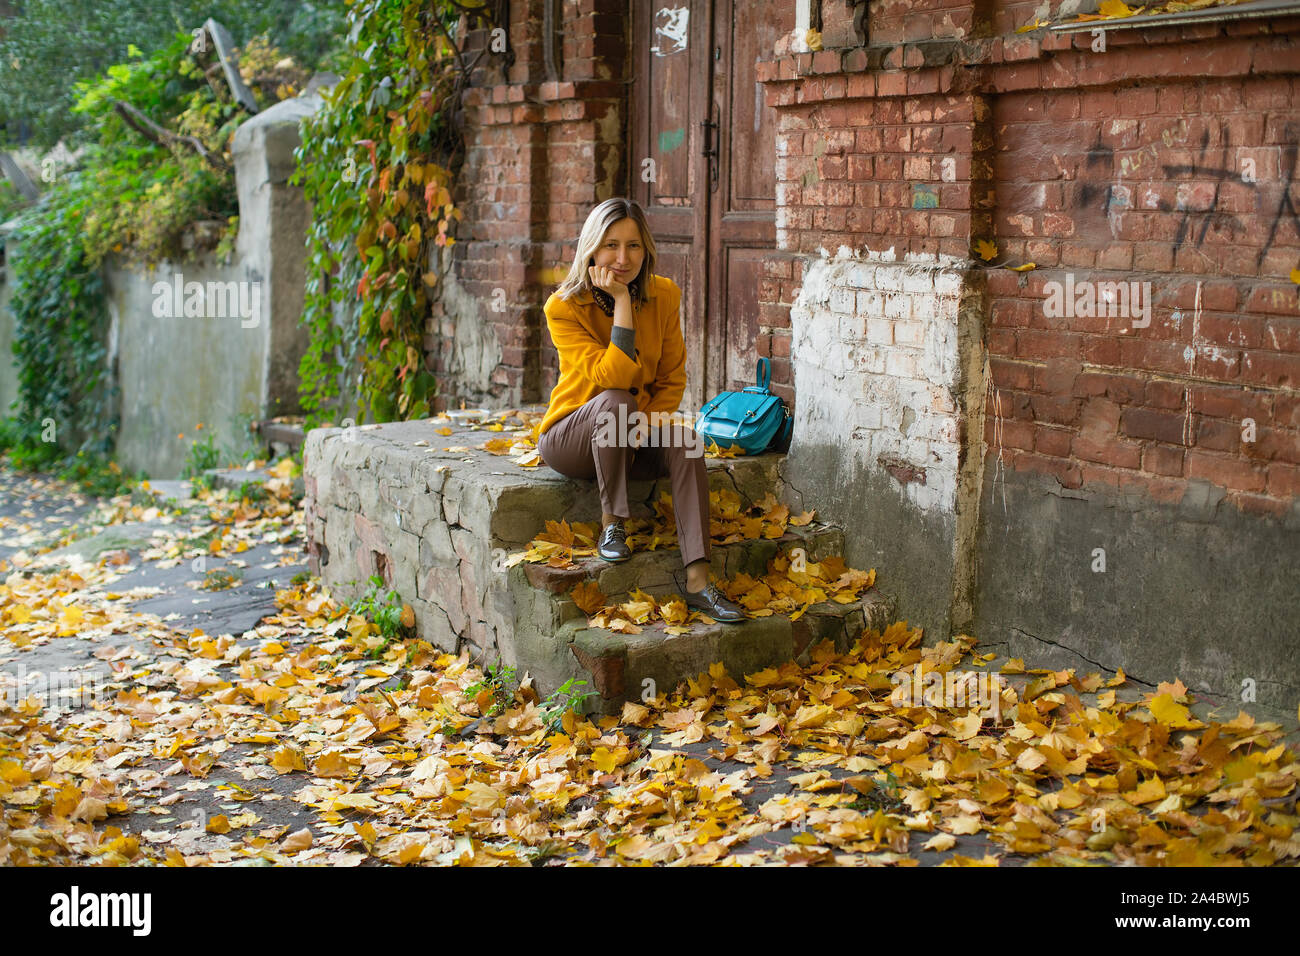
(575,446)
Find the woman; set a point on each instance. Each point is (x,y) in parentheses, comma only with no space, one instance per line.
(617,328)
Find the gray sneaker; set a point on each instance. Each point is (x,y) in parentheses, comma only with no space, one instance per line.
(613,543)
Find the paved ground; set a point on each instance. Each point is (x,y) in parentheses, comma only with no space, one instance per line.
(36,513)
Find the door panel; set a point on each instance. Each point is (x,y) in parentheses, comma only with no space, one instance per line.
(670,73)
(742,213)
(713,216)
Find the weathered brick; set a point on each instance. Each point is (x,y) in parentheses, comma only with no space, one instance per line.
(1149,423)
(1227,471)
(1258,504)
(1052,441)
(1162,394)
(1107,451)
(1067,473)
(1163,460)
(1284,480)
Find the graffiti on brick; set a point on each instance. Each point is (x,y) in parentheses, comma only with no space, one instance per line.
(1201,199)
(1197,200)
(1285,204)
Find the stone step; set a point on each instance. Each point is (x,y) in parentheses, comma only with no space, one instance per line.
(621,667)
(422,506)
(551,638)
(652,571)
(284,438)
(521,510)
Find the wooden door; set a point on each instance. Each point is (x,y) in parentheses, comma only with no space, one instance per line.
(697,114)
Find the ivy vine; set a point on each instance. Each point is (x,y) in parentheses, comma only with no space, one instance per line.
(60,330)
(377,164)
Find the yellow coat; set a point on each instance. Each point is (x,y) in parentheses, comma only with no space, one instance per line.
(590,363)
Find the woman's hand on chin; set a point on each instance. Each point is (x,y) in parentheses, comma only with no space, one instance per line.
(606,279)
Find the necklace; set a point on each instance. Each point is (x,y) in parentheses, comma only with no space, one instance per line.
(606,301)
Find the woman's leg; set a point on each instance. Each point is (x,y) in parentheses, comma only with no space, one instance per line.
(578,446)
(690,482)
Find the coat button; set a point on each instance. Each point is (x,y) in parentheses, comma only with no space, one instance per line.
(632,389)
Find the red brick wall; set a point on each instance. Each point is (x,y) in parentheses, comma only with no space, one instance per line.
(1118,165)
(948,129)
(1144,183)
(895,21)
(539,155)
(872,170)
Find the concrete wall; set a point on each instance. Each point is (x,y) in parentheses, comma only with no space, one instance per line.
(200,341)
(877,346)
(176,371)
(1089,578)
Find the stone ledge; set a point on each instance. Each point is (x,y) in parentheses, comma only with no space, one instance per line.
(991,65)
(618,665)
(391,500)
(651,570)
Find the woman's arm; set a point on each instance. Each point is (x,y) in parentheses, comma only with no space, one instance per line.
(608,366)
(670,378)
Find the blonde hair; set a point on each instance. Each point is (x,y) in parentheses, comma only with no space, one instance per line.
(593,234)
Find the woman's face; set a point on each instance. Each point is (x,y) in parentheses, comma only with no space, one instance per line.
(621,250)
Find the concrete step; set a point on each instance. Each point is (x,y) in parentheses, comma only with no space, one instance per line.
(521,510)
(652,571)
(423,506)
(621,667)
(552,639)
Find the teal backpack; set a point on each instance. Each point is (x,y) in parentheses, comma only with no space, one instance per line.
(754,418)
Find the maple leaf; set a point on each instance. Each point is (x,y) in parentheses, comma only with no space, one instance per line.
(1176,690)
(1165,709)
(986,250)
(588,597)
(558,532)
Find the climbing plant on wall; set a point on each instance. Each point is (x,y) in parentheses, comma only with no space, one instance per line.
(377,164)
(60,327)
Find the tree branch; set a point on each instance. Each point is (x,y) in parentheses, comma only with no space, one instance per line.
(156,134)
